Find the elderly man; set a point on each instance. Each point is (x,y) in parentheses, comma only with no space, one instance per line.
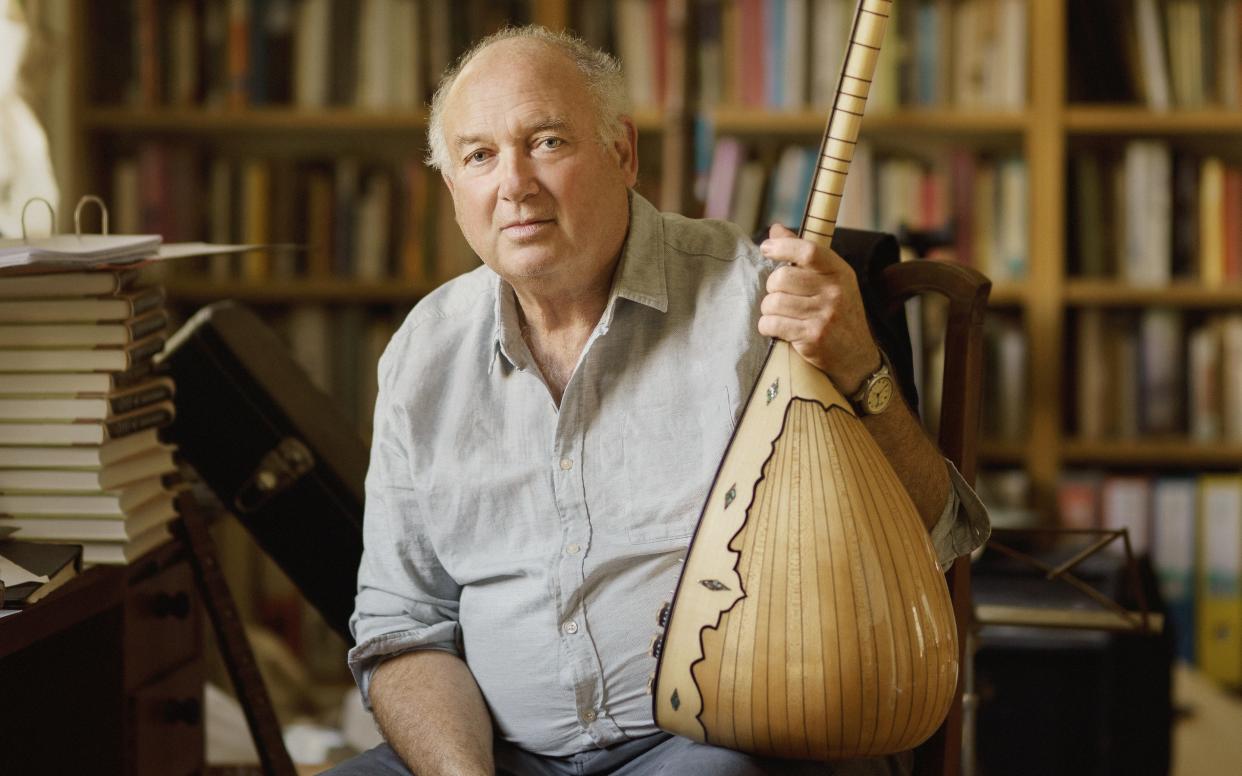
(548,426)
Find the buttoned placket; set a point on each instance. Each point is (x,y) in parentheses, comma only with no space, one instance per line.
(569,490)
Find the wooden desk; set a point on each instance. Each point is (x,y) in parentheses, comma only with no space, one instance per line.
(105,675)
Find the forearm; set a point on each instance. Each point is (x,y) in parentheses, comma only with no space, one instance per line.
(431,712)
(917,461)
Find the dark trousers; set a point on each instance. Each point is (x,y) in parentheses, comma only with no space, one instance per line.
(658,754)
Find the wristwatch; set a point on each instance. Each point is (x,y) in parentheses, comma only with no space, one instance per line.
(876,392)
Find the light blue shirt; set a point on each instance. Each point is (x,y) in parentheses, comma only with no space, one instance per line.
(539,543)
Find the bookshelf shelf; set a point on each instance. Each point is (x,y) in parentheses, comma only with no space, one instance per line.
(1118,120)
(1173,453)
(1106,293)
(203,120)
(1007,295)
(744,121)
(1002,452)
(1046,307)
(298,291)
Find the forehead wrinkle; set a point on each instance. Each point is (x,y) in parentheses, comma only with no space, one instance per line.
(519,128)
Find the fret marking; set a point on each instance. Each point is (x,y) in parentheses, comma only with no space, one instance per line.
(843,140)
(826,193)
(836,158)
(852,113)
(864,45)
(812,231)
(873,13)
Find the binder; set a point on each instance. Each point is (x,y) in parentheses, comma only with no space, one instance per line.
(1173,555)
(1220,578)
(277,451)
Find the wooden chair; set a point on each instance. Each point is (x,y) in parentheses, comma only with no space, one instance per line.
(961,389)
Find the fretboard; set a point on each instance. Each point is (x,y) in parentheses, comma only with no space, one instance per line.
(836,151)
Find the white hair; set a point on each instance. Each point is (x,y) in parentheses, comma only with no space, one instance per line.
(601,70)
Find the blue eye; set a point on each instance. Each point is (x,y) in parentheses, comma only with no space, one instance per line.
(476,157)
(552,142)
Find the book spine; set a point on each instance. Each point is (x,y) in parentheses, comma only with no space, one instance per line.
(130,425)
(147,325)
(132,400)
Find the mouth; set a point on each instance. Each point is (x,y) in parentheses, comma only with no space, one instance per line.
(524,230)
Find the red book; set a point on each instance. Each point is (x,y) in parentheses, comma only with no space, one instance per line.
(750,31)
(148,53)
(659,41)
(1232,226)
(963,167)
(238,53)
(1078,501)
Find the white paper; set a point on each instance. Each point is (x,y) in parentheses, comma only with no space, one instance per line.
(14,575)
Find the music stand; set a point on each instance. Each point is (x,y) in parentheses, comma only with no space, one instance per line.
(279,455)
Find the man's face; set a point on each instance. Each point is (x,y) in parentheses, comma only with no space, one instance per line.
(537,196)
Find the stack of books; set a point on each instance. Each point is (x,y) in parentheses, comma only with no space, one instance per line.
(82,408)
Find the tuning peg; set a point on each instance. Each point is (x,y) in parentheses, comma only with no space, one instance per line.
(657,645)
(662,618)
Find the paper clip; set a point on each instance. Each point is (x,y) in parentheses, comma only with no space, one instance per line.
(77,214)
(51,211)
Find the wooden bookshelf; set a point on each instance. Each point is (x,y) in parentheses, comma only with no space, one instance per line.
(192,121)
(1157,453)
(1008,295)
(1105,293)
(298,292)
(745,121)
(1040,131)
(1110,120)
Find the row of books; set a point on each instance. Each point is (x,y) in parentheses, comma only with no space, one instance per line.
(1149,215)
(980,200)
(81,409)
(1175,53)
(1156,373)
(373,54)
(366,221)
(1006,379)
(1191,526)
(339,347)
(788,54)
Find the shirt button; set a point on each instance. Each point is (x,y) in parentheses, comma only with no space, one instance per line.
(571,627)
(573,549)
(588,715)
(567,464)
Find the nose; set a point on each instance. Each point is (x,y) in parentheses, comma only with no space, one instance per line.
(517,177)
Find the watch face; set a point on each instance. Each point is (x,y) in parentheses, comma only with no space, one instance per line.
(879,396)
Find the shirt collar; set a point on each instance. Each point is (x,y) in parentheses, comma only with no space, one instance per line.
(640,278)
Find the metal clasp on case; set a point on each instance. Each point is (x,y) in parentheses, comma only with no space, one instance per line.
(279,469)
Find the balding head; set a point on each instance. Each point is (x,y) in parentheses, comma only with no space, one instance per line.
(600,73)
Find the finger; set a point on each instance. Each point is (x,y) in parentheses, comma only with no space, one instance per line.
(780,230)
(802,253)
(791,305)
(804,282)
(782,327)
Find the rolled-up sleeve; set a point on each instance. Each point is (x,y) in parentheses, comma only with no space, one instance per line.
(964,524)
(405,599)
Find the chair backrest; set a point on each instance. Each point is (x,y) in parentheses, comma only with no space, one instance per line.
(961,389)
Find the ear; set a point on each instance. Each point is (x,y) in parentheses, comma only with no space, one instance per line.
(626,149)
(447,182)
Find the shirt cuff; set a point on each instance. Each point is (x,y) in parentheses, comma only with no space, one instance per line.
(964,525)
(366,657)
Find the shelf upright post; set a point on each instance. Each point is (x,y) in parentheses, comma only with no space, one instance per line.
(1045,158)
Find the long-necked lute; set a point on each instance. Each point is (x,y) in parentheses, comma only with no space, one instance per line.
(811,619)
